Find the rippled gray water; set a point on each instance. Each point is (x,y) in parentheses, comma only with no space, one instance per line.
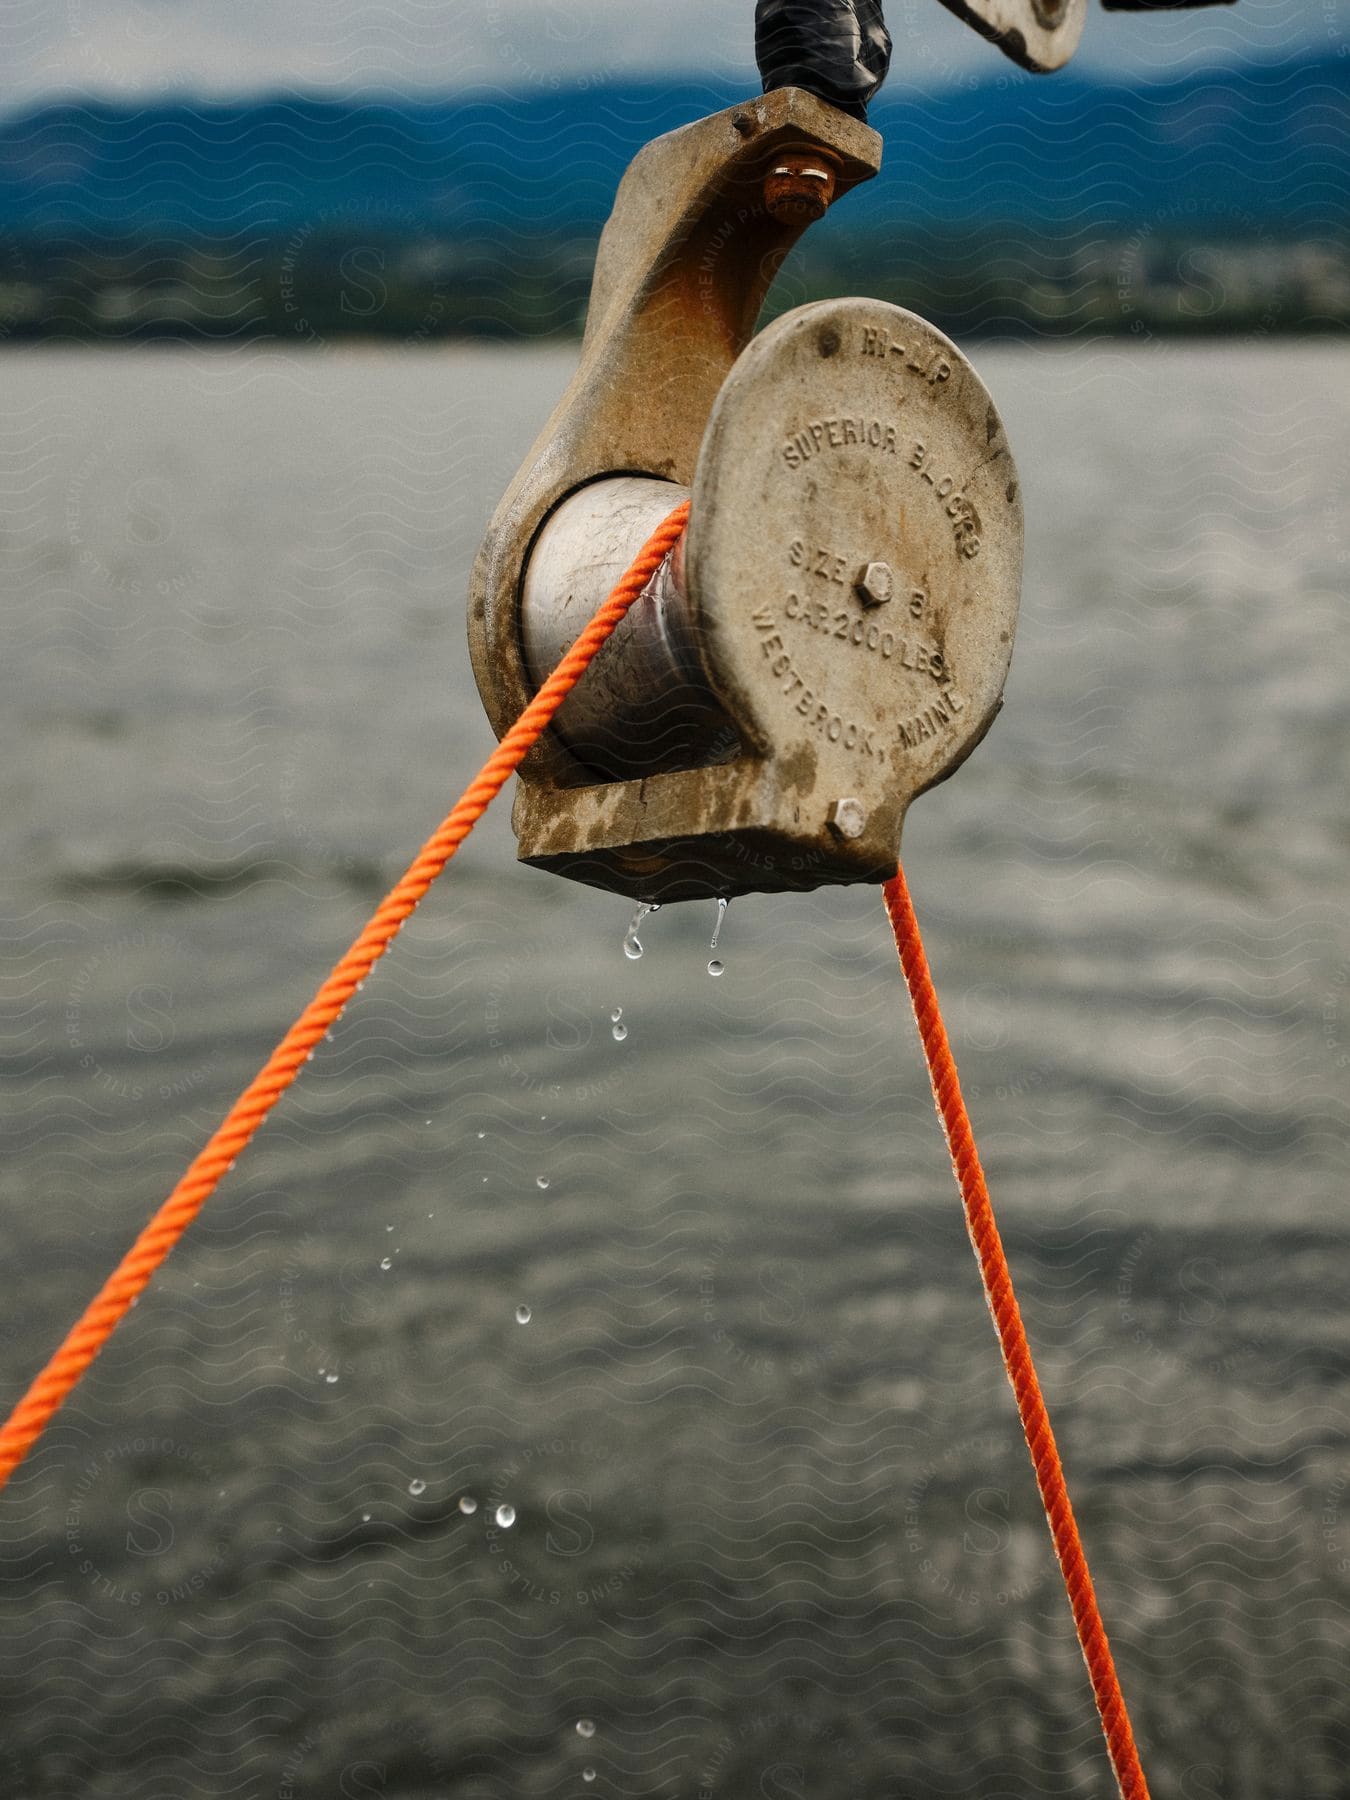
(774,1534)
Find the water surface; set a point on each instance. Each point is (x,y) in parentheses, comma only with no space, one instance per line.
(774,1531)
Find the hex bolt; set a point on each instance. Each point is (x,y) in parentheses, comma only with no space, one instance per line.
(875,584)
(848,818)
(799,186)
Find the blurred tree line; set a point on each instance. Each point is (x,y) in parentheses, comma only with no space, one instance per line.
(316,286)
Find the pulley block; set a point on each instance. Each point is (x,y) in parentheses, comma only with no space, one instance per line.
(832,634)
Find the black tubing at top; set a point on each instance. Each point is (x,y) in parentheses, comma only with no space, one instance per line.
(838,50)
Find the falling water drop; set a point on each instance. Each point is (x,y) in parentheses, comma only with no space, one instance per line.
(588,1773)
(523,1314)
(417,1486)
(330,1378)
(505,1516)
(717,966)
(541,1181)
(722,904)
(632,944)
(468,1505)
(386,1262)
(618,1030)
(586,1728)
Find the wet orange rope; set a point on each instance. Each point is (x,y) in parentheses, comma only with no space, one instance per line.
(100,1319)
(1012,1337)
(167,1225)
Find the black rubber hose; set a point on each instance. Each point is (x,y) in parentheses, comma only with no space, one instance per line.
(838,50)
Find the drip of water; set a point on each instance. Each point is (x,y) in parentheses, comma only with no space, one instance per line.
(717,966)
(618,1030)
(523,1314)
(467,1504)
(632,944)
(586,1728)
(417,1486)
(505,1516)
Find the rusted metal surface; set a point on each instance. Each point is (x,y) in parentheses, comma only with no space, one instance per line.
(832,635)
(800,185)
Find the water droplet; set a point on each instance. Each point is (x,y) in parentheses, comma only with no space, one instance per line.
(541,1181)
(523,1315)
(632,944)
(716,966)
(330,1379)
(365,1518)
(616,1015)
(386,1262)
(389,1228)
(588,1773)
(417,1486)
(467,1504)
(722,904)
(505,1516)
(586,1728)
(481,1135)
(618,1033)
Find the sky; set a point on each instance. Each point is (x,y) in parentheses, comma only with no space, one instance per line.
(138,49)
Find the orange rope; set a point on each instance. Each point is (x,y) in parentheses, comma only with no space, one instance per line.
(100,1319)
(1012,1337)
(166,1226)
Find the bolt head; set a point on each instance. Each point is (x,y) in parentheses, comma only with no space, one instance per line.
(799,187)
(875,584)
(848,818)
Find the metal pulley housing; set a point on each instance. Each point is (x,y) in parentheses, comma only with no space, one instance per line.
(832,634)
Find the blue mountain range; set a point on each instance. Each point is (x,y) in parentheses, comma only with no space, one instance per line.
(1255,150)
